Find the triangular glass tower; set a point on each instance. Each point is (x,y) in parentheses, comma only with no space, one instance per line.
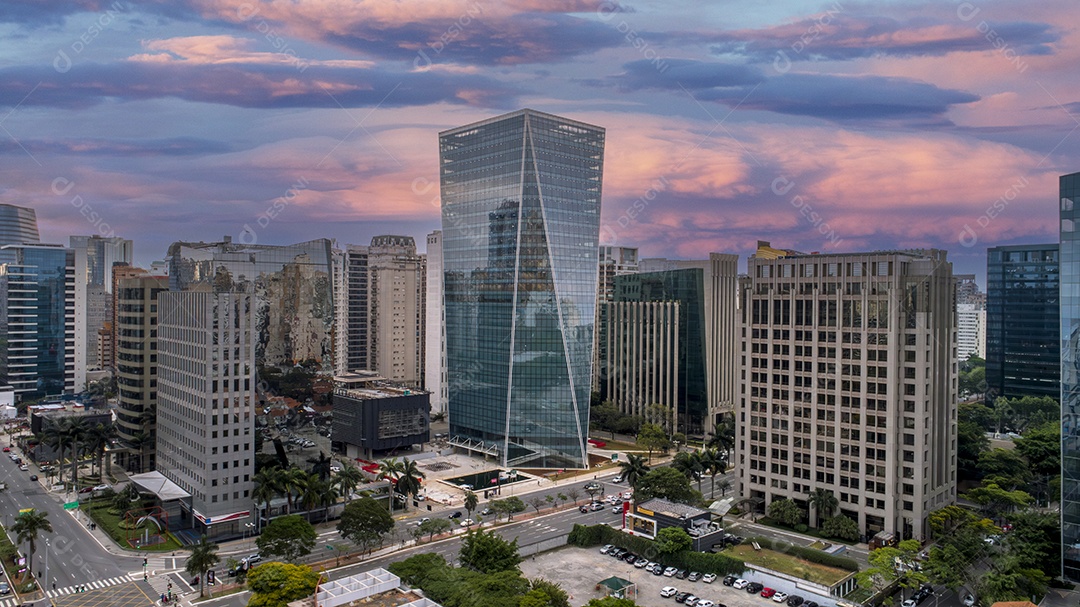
(521,220)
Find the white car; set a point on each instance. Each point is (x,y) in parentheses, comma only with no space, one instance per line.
(740,584)
(704,603)
(969,600)
(668,591)
(618,479)
(468,522)
(708,578)
(606,549)
(909,603)
(779,597)
(335,469)
(670,571)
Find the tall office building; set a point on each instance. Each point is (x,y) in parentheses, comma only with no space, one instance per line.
(18,225)
(850,385)
(520,224)
(352,309)
(95,257)
(970,331)
(1023,336)
(206,403)
(435,344)
(670,338)
(136,367)
(39,355)
(613,261)
(1069,186)
(396,310)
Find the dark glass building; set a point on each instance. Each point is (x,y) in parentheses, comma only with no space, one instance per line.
(1070,374)
(521,221)
(1022,353)
(18,225)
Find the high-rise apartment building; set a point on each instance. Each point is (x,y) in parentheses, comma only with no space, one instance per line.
(206,403)
(396,310)
(967,291)
(435,343)
(1069,199)
(351,311)
(520,224)
(850,385)
(1023,356)
(39,354)
(18,225)
(95,257)
(670,338)
(970,331)
(137,367)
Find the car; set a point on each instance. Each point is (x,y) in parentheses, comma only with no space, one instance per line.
(708,578)
(24,467)
(336,469)
(730,579)
(468,522)
(618,553)
(487,512)
(705,603)
(810,604)
(616,509)
(607,548)
(455,514)
(641,563)
(422,521)
(658,570)
(583,509)
(691,601)
(779,597)
(754,587)
(767,593)
(654,565)
(682,596)
(738,583)
(969,600)
(681,574)
(466,487)
(668,591)
(7,450)
(630,558)
(670,571)
(694,576)
(909,603)
(596,506)
(33,477)
(4,588)
(617,479)
(795,600)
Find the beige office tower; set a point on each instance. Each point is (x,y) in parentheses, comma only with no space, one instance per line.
(849,385)
(396,309)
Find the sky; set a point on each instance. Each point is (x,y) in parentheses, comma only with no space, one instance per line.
(831,127)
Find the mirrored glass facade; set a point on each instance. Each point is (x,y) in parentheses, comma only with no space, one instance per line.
(1070,375)
(17,225)
(1022,322)
(521,219)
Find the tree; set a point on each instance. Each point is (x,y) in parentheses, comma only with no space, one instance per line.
(690,465)
(289,537)
(471,502)
(537,503)
(365,523)
(971,442)
(996,501)
(1041,447)
(391,470)
(633,469)
(672,540)
(652,437)
(409,483)
(99,438)
(435,526)
(318,494)
(267,486)
(348,480)
(76,432)
(510,506)
(889,564)
(28,527)
(278,584)
(553,593)
(574,494)
(824,502)
(203,558)
(712,464)
(1008,467)
(786,512)
(610,601)
(724,486)
(488,552)
(841,527)
(666,483)
(292,482)
(1035,541)
(723,437)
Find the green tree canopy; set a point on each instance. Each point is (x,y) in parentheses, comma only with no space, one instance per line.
(277,584)
(365,523)
(666,483)
(610,601)
(1041,447)
(841,527)
(288,537)
(786,512)
(203,558)
(488,552)
(653,438)
(672,540)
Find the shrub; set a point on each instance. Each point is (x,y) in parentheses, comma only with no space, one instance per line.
(801,528)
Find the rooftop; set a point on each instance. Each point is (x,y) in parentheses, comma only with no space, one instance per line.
(672,509)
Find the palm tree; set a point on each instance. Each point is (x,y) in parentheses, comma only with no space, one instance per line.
(293,481)
(267,486)
(409,482)
(203,558)
(317,494)
(689,465)
(53,436)
(633,469)
(471,502)
(28,526)
(76,431)
(348,480)
(824,502)
(723,437)
(148,421)
(713,464)
(724,486)
(99,438)
(391,469)
(142,442)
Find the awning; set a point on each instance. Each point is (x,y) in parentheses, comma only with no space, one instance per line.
(156,483)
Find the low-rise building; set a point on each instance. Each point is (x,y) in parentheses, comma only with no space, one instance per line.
(371,414)
(648,518)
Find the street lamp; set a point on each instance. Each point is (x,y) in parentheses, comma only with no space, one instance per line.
(46,565)
(247,527)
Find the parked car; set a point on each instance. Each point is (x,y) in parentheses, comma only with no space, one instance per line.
(767,593)
(705,603)
(681,574)
(730,579)
(658,570)
(779,597)
(24,468)
(708,578)
(670,571)
(754,587)
(607,548)
(33,477)
(908,603)
(810,604)
(795,600)
(641,563)
(738,584)
(668,591)
(682,596)
(694,576)
(691,601)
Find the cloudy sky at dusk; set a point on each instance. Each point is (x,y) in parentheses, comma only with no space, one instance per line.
(837,126)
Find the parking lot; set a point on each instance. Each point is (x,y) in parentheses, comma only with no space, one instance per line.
(578,570)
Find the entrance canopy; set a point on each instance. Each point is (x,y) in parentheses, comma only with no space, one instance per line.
(156,483)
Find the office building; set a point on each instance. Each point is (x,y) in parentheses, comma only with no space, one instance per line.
(292,286)
(1069,197)
(40,322)
(351,311)
(18,225)
(434,342)
(970,331)
(1023,355)
(520,225)
(850,385)
(967,291)
(396,310)
(137,368)
(670,338)
(613,261)
(95,257)
(206,400)
(372,414)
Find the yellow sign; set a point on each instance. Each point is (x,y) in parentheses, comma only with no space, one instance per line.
(25,510)
(645,512)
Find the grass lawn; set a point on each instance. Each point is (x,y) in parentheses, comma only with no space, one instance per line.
(110,523)
(791,565)
(811,532)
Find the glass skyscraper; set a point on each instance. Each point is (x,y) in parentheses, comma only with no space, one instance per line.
(521,221)
(18,225)
(1022,353)
(1070,374)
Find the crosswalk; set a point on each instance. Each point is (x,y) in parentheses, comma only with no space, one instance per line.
(89,586)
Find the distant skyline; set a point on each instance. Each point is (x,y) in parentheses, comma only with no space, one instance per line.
(819,126)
